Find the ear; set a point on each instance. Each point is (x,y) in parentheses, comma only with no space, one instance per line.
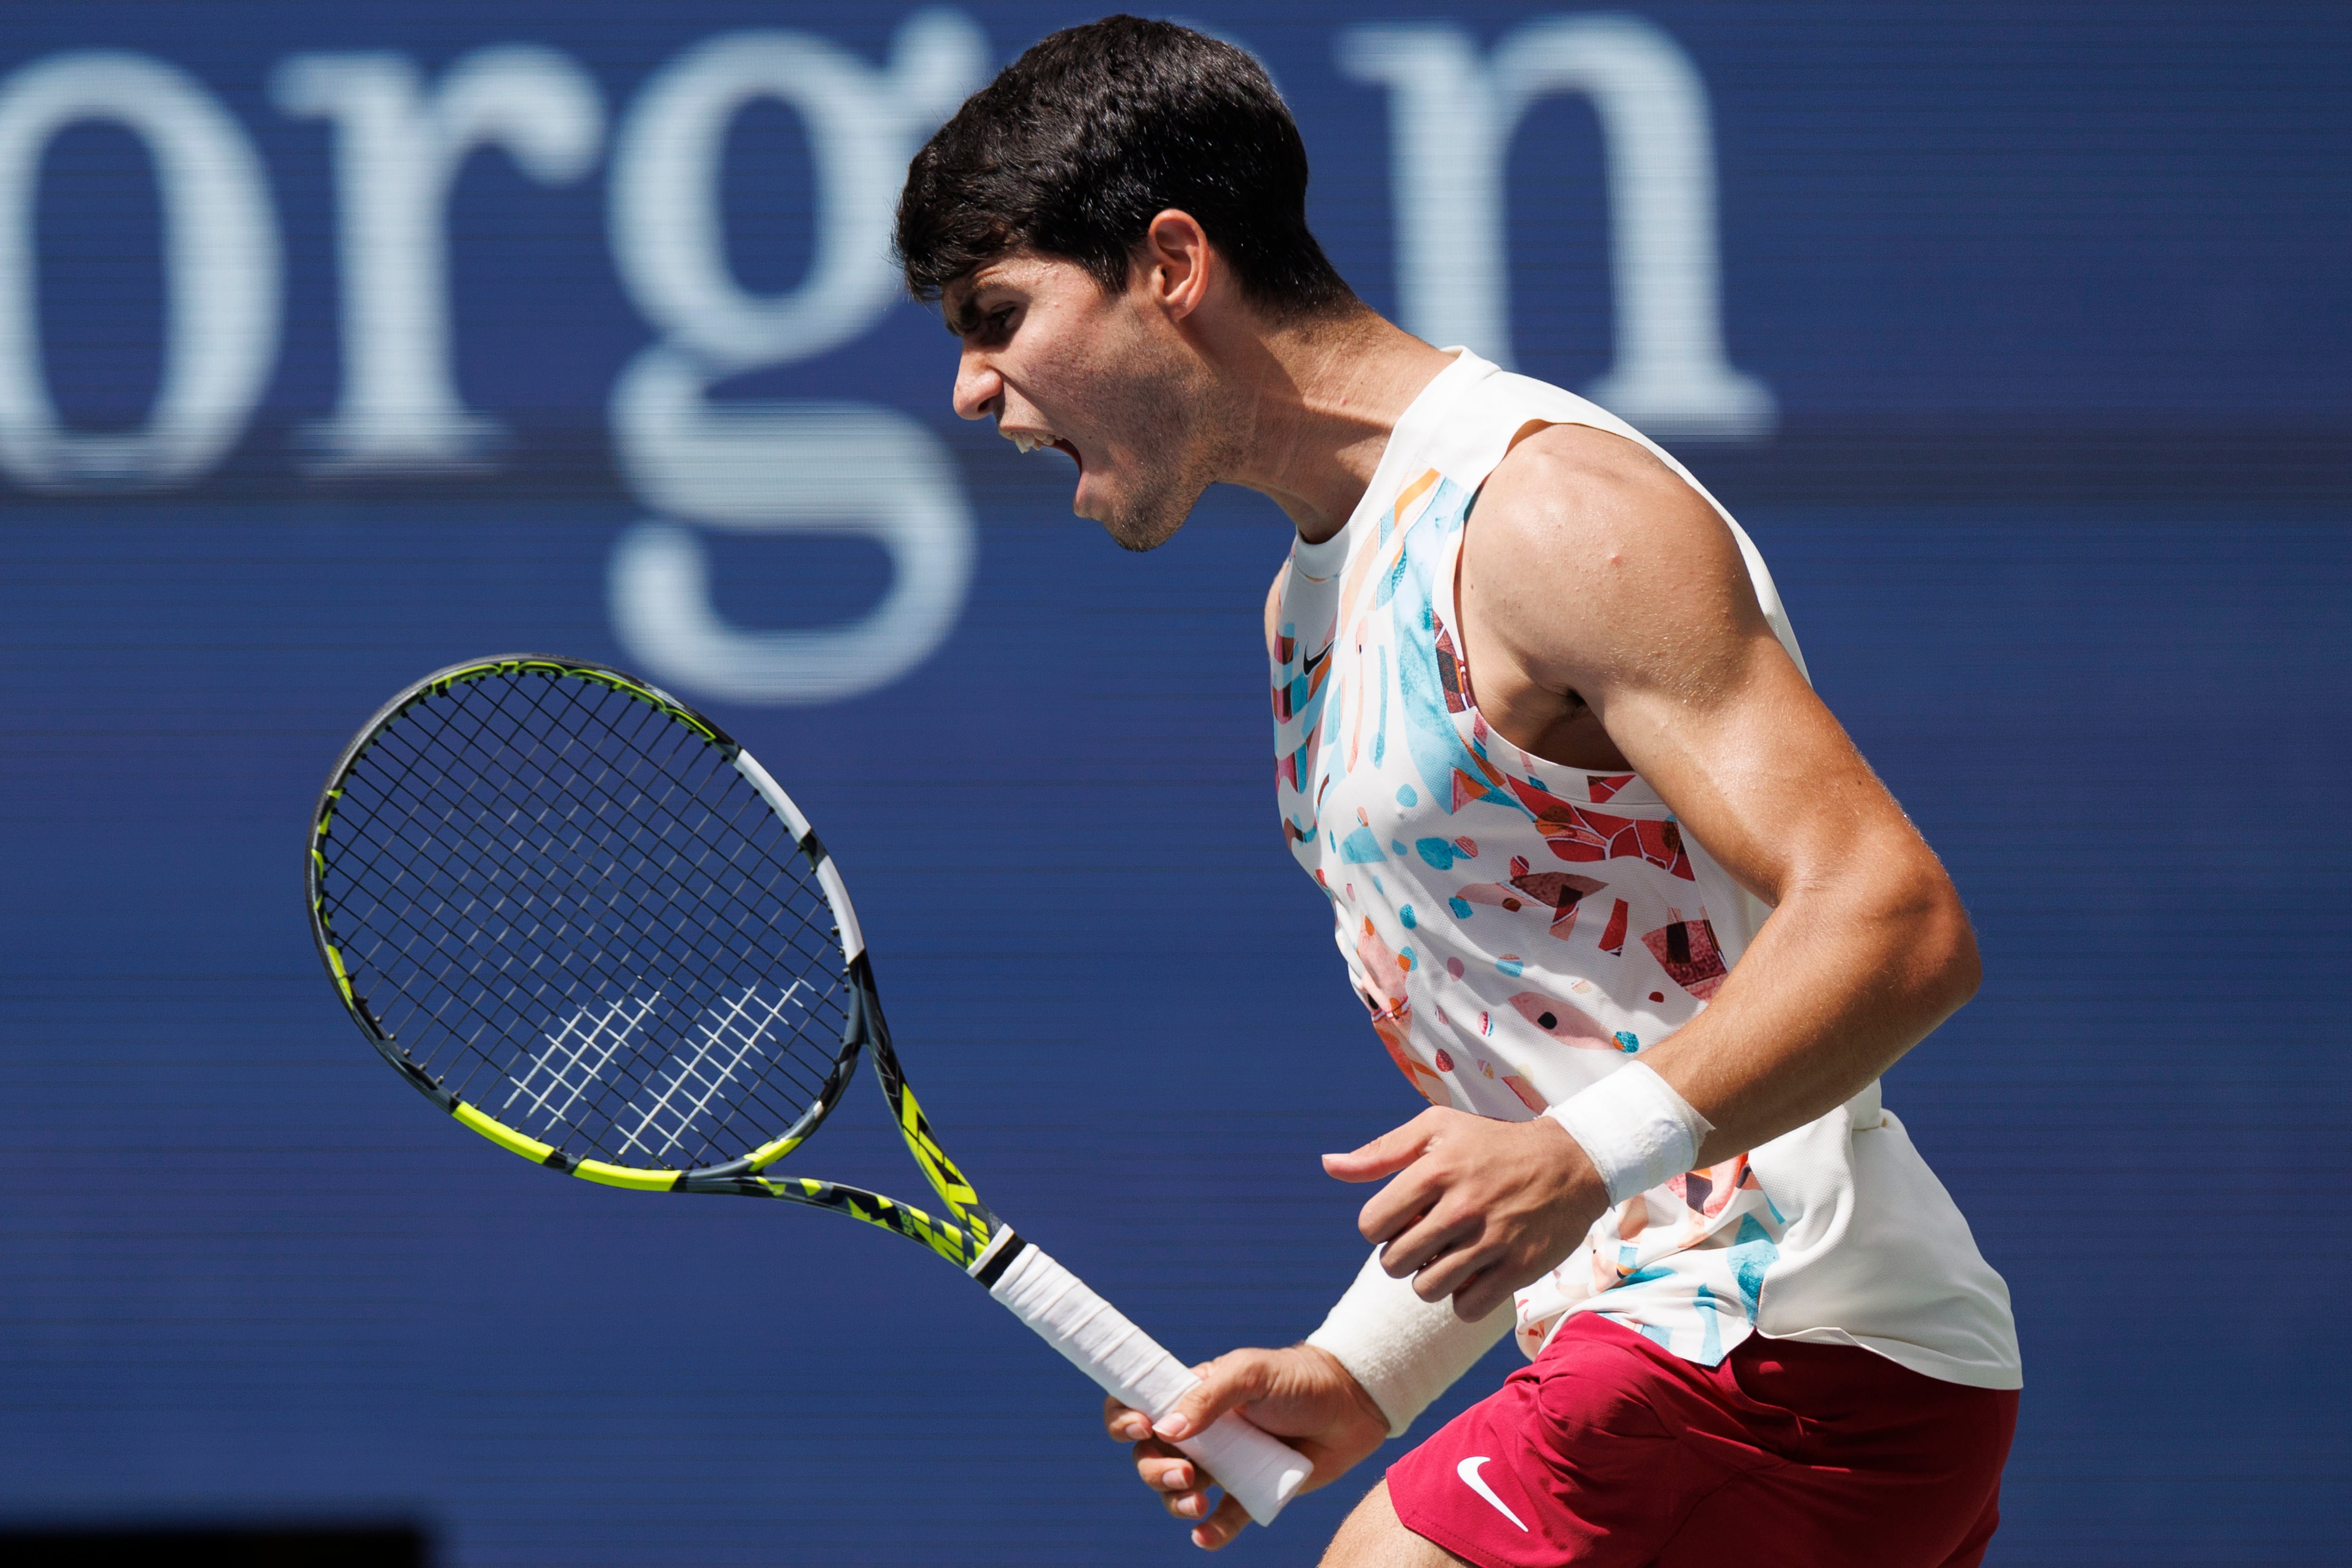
(1178,262)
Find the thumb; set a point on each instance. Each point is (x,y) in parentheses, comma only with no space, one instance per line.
(1385,1155)
(1233,1379)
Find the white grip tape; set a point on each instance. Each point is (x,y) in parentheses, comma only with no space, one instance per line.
(1263,1473)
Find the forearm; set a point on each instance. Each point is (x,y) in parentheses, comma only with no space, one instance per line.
(1841,982)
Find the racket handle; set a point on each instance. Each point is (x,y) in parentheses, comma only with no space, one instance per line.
(1262,1472)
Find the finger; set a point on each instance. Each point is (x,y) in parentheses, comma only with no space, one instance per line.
(1400,1205)
(1385,1155)
(1390,1152)
(1182,1485)
(1482,1293)
(1221,1526)
(1193,1505)
(1124,1423)
(1233,1379)
(1436,1234)
(1462,1258)
(1165,1470)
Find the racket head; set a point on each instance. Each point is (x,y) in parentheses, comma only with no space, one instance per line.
(575,913)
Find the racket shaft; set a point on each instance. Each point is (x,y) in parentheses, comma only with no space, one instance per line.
(1263,1472)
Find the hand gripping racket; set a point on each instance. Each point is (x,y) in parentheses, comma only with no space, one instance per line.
(583,921)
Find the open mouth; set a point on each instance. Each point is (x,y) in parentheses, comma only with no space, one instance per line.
(1043,441)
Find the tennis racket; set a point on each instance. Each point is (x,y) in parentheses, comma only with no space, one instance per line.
(583,921)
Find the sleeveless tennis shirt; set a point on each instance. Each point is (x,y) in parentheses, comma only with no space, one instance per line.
(1519,929)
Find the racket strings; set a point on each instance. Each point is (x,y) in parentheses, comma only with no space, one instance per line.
(645,717)
(813,943)
(622,1072)
(572,910)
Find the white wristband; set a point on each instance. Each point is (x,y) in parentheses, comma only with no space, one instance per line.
(1636,1129)
(1403,1351)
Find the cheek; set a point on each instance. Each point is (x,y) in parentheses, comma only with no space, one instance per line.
(1111,379)
(1104,375)
(1066,386)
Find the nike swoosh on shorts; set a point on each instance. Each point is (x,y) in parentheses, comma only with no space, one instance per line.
(1468,1470)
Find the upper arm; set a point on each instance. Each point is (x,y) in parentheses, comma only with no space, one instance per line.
(1599,571)
(1274,610)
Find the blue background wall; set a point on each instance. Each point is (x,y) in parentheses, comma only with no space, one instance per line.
(2053,309)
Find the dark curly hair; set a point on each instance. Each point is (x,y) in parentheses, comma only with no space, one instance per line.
(1080,142)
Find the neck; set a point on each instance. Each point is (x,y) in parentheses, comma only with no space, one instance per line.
(1315,404)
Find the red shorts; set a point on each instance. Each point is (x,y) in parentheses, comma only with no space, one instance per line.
(1610,1451)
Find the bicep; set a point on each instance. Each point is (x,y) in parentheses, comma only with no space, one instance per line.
(1760,771)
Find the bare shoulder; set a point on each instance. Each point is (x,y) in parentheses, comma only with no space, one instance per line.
(1572,488)
(1589,557)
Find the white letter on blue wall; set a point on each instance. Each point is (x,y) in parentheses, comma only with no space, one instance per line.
(778,467)
(220,272)
(397,151)
(1451,116)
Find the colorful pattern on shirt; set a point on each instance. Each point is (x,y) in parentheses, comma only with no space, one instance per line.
(1515,929)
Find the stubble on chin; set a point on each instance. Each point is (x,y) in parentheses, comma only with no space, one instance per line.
(1192,454)
(1154,512)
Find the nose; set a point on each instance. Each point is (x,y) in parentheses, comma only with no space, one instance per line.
(978,390)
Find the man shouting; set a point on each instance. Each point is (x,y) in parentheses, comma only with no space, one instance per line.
(1620,895)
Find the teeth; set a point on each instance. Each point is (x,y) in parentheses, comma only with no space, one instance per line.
(1027,443)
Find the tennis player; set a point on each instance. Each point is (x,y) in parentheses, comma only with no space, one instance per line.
(1620,895)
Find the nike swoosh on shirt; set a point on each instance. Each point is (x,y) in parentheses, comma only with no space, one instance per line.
(1468,1470)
